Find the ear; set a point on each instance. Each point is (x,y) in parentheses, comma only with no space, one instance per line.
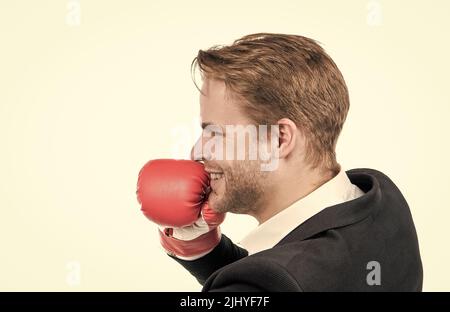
(289,137)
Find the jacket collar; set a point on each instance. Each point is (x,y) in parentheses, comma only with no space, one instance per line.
(346,213)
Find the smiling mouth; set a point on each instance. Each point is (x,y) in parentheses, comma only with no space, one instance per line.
(214,174)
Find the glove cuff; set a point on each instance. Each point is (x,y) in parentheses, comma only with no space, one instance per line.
(190,248)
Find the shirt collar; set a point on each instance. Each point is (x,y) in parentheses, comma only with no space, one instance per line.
(266,235)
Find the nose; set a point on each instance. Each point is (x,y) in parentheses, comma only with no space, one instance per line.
(196,151)
(193,156)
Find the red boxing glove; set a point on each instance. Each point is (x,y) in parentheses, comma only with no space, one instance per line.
(173,194)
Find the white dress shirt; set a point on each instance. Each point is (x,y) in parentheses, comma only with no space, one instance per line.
(266,235)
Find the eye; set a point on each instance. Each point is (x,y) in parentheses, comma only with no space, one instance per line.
(213,130)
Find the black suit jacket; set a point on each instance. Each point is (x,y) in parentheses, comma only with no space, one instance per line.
(331,251)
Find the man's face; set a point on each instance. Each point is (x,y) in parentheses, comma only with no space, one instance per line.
(236,185)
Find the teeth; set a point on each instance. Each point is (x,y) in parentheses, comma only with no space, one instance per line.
(216,176)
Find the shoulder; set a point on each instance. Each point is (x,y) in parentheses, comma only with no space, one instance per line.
(252,273)
(289,267)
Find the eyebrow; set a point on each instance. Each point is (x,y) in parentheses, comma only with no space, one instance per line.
(206,124)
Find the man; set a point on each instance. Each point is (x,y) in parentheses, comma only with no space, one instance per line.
(321,228)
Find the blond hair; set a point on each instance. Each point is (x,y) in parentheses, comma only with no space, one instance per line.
(284,76)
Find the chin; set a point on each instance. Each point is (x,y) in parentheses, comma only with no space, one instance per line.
(214,203)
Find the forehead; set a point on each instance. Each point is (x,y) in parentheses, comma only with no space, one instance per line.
(217,107)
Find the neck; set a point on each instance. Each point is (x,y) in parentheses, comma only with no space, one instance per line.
(290,189)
